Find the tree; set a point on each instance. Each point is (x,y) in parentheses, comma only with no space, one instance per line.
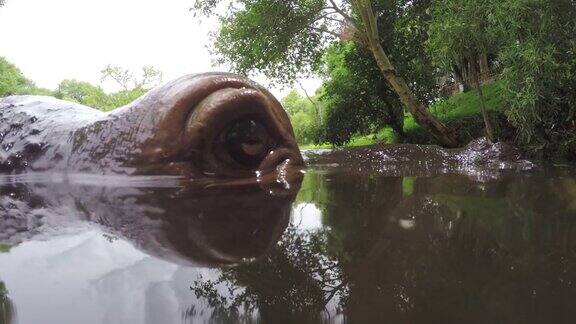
(133,85)
(149,77)
(283,39)
(538,74)
(461,36)
(83,93)
(293,284)
(7,311)
(94,96)
(356,97)
(12,81)
(305,116)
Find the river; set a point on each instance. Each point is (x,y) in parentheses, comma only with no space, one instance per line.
(406,234)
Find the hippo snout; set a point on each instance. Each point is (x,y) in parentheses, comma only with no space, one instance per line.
(237,130)
(215,124)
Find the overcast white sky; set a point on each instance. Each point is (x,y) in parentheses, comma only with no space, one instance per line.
(64,39)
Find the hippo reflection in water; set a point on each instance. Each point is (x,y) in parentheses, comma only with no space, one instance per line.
(220,145)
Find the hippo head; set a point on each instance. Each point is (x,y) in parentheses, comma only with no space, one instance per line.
(212,124)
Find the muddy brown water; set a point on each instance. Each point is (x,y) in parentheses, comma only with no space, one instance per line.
(402,234)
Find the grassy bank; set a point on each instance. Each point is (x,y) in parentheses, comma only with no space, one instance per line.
(460,112)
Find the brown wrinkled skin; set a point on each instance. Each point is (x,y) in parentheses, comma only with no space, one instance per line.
(172,130)
(64,165)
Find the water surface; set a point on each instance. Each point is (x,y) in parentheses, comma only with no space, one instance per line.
(373,236)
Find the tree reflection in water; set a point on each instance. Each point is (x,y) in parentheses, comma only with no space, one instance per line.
(293,283)
(440,249)
(7,312)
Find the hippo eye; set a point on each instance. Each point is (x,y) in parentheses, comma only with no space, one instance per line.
(247,142)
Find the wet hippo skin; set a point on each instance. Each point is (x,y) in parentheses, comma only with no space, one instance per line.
(201,170)
(212,124)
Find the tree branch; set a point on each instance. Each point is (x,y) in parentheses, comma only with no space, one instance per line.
(333,292)
(335,19)
(327,16)
(325,31)
(341,12)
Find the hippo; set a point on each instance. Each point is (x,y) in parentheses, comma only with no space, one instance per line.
(215,125)
(199,171)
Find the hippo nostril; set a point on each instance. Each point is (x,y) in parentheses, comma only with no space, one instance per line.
(275,158)
(253,149)
(247,142)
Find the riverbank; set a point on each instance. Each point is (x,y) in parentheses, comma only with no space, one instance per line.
(460,112)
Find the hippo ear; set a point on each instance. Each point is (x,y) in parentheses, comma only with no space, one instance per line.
(220,123)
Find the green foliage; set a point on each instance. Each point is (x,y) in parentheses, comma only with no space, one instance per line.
(82,92)
(304,115)
(12,81)
(4,248)
(467,103)
(94,96)
(281,39)
(460,111)
(462,29)
(356,97)
(539,68)
(404,33)
(535,43)
(124,97)
(383,136)
(285,39)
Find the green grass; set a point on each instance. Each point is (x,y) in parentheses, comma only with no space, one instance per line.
(315,146)
(385,135)
(460,112)
(468,103)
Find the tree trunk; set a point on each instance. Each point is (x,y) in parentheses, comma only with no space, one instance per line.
(396,121)
(484,67)
(421,115)
(458,78)
(467,74)
(487,124)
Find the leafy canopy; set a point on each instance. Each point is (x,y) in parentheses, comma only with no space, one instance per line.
(305,115)
(282,39)
(12,81)
(539,68)
(462,29)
